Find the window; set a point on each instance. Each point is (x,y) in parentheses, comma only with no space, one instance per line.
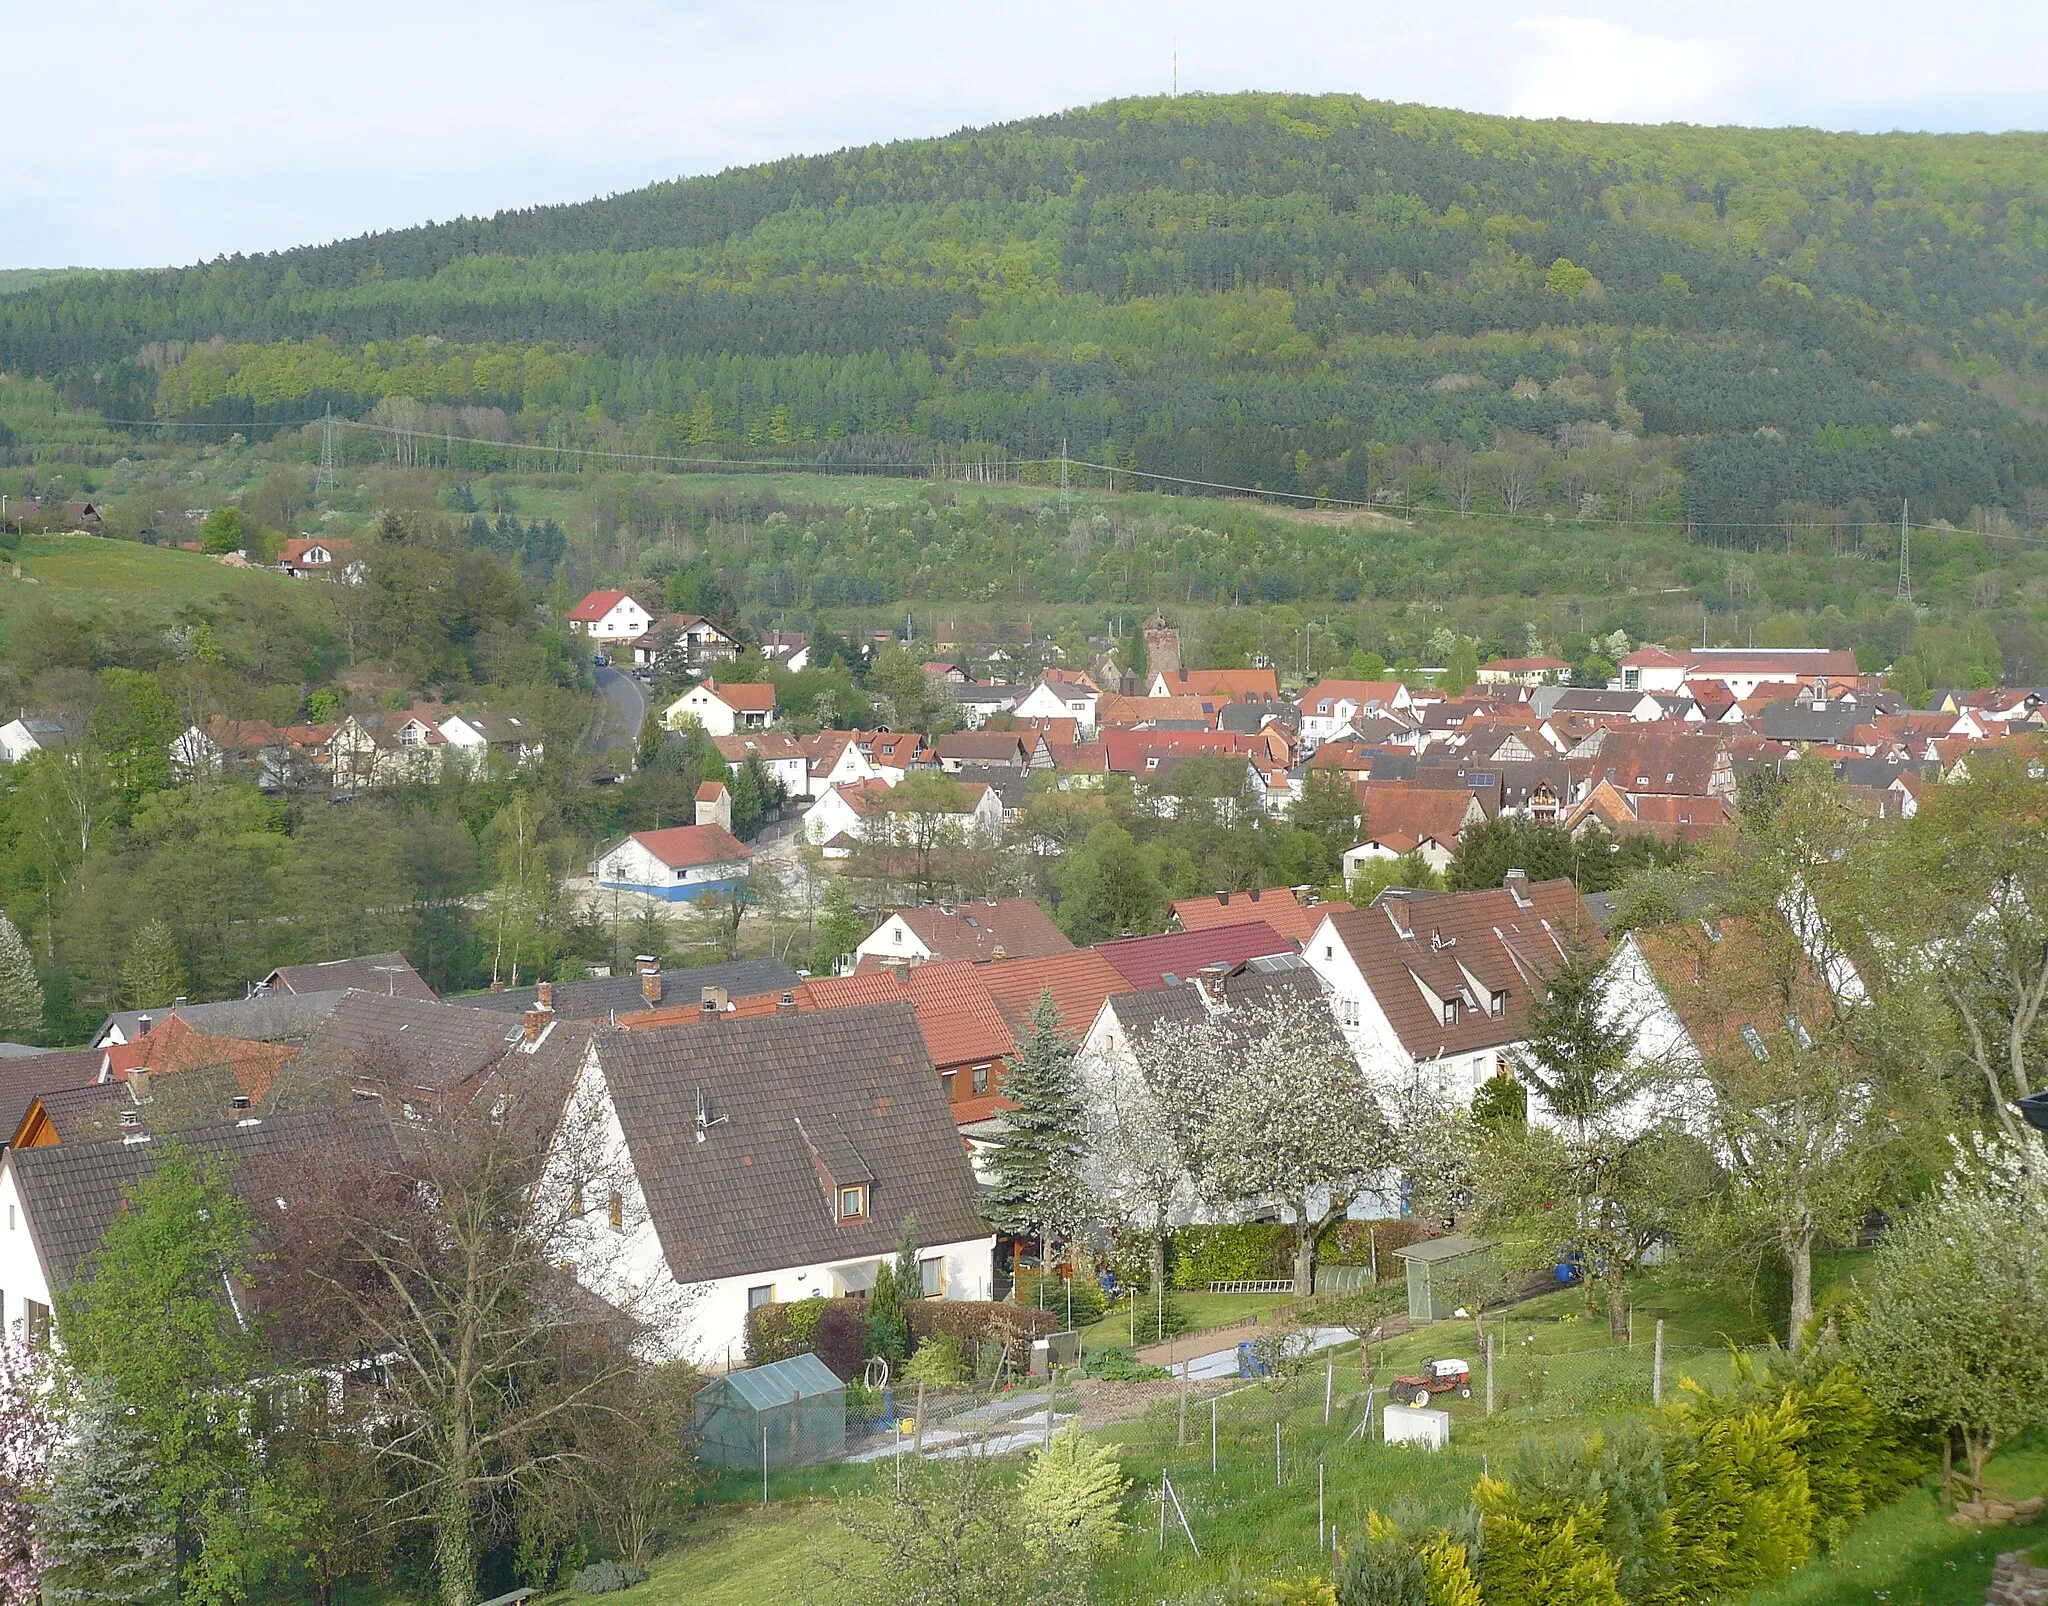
(1450,1012)
(931,1276)
(1755,1040)
(853,1203)
(617,1212)
(1347,1011)
(35,1322)
(760,1294)
(949,1080)
(1328,950)
(981,1078)
(1500,1004)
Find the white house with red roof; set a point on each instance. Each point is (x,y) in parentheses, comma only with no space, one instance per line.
(609,616)
(723,710)
(678,864)
(1330,705)
(1740,669)
(1523,672)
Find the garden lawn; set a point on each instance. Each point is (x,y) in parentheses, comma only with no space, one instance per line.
(745,1556)
(75,571)
(1908,1555)
(1204,1311)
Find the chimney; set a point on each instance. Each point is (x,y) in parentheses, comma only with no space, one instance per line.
(713,1000)
(544,995)
(239,1102)
(138,1084)
(536,1021)
(143,1022)
(648,969)
(1517,883)
(179,1002)
(786,1004)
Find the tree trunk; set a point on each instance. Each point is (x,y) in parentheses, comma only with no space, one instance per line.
(1617,1302)
(1159,1260)
(455,1551)
(1978,1447)
(1799,1256)
(1304,1260)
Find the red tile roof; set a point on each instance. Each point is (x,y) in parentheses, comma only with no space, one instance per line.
(746,697)
(595,606)
(1279,907)
(1078,982)
(685,847)
(1147,961)
(1009,928)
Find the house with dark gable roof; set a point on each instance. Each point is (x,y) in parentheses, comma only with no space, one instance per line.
(764,1159)
(1440,985)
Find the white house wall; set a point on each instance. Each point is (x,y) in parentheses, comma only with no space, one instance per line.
(704,1322)
(22,1276)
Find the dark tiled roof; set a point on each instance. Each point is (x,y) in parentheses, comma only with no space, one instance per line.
(390,974)
(265,1017)
(600,998)
(1418,953)
(72,1192)
(1297,987)
(750,1198)
(22,1079)
(79,1111)
(403,1044)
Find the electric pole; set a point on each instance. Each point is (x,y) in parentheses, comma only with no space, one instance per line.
(328,479)
(1905,556)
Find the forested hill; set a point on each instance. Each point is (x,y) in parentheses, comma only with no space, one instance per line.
(1317,294)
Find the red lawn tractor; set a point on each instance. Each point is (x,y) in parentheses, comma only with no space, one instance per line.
(1436,1377)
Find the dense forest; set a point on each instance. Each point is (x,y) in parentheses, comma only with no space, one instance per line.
(1727,328)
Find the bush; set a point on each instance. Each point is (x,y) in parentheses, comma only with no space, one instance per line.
(1072,1498)
(937,1364)
(776,1332)
(1238,1252)
(1158,1318)
(1089,1299)
(1116,1365)
(841,1339)
(1542,1552)
(865,1405)
(1350,1243)
(1741,1507)
(975,1322)
(604,1577)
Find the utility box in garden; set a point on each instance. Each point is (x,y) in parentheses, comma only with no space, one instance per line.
(1426,1430)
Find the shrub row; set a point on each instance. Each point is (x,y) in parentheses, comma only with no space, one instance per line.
(1258,1251)
(835,1330)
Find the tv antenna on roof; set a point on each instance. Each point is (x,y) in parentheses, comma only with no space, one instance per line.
(705,1120)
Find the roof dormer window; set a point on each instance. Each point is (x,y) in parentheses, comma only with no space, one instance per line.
(1450,1012)
(853,1203)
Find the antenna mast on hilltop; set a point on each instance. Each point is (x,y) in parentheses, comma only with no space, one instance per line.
(1905,557)
(327,478)
(1176,68)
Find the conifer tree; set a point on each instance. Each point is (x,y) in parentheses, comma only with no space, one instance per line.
(108,1537)
(154,972)
(1038,1190)
(909,1277)
(21,990)
(888,1330)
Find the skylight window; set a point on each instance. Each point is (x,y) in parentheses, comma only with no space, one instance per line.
(1755,1040)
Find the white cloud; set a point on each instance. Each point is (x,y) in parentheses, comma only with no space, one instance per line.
(1586,67)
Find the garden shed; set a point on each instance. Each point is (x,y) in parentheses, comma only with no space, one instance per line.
(1434,1265)
(792,1412)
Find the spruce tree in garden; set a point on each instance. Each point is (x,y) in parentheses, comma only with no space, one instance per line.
(1038,1190)
(21,991)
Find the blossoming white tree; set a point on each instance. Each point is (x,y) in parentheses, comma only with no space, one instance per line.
(1266,1107)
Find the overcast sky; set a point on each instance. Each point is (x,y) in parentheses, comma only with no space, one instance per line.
(135,135)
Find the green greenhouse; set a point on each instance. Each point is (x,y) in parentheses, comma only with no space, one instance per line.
(786,1414)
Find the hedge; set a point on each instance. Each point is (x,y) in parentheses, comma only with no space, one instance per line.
(973,1321)
(1263,1251)
(776,1332)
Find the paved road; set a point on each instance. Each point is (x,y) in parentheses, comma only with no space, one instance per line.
(616,720)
